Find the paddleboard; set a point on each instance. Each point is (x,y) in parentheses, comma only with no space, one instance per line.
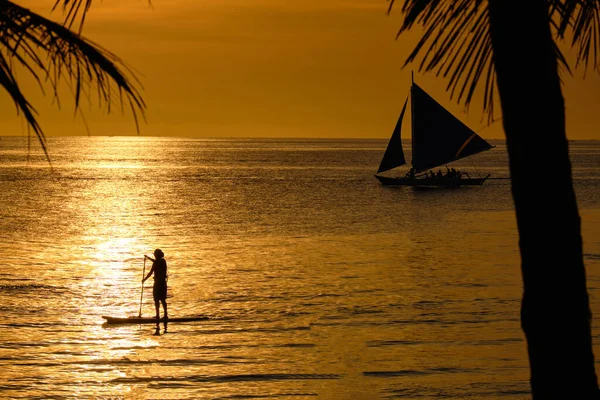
(138,320)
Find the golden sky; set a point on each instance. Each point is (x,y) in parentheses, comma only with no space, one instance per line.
(267,68)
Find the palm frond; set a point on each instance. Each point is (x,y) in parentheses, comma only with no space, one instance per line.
(52,53)
(456,44)
(73,10)
(9,83)
(582,17)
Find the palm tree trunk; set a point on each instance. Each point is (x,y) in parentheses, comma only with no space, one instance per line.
(555,313)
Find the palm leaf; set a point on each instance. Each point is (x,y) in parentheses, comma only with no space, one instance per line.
(582,17)
(73,9)
(52,53)
(456,44)
(9,83)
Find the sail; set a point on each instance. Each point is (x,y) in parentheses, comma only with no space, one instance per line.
(438,137)
(394,155)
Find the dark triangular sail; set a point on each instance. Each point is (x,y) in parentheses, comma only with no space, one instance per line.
(394,155)
(438,137)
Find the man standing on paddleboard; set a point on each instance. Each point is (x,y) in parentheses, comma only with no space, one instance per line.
(159,291)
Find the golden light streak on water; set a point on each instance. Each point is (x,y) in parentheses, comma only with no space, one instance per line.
(318,282)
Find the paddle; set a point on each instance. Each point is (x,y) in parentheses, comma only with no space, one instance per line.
(142,294)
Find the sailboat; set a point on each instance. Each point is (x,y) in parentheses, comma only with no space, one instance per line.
(438,138)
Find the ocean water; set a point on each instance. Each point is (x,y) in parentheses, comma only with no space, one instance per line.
(317,281)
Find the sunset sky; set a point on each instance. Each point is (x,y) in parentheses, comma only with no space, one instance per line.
(266,68)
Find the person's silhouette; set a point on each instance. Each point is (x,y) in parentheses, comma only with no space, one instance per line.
(159,291)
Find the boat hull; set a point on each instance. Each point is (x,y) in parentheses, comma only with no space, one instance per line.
(138,320)
(431,182)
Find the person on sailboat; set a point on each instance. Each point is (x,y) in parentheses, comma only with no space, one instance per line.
(450,172)
(159,291)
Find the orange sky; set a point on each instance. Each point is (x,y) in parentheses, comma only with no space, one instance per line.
(269,68)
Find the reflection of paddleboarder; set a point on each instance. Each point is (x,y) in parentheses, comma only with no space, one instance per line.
(159,291)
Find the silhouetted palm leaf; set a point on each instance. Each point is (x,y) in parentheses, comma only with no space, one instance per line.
(583,18)
(457,42)
(51,52)
(73,9)
(9,83)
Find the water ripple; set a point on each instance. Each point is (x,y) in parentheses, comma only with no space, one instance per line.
(229,378)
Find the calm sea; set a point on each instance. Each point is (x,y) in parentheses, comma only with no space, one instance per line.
(318,282)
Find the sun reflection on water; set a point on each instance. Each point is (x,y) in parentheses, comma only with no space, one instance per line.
(314,286)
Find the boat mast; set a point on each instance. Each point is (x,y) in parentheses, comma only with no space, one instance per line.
(412,118)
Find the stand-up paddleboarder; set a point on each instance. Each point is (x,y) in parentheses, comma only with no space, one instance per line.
(159,291)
